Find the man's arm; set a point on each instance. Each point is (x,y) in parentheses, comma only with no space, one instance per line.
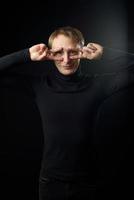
(38,52)
(15,58)
(108,57)
(117,59)
(112,58)
(121,66)
(118,62)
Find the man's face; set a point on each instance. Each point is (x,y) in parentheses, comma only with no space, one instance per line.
(64,48)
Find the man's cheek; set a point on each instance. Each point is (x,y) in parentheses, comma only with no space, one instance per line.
(58,63)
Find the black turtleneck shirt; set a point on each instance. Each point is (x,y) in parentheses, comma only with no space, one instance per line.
(68,107)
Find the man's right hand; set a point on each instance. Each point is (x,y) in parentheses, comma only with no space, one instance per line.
(40,52)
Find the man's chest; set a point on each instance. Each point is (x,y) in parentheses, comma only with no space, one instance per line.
(68,107)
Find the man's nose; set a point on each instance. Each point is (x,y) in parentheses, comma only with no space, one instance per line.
(66,57)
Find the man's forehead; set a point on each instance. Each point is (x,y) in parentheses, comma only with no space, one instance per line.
(64,41)
(65,46)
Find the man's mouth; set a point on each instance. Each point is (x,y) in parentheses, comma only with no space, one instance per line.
(67,66)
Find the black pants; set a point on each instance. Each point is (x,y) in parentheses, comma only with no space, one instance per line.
(52,189)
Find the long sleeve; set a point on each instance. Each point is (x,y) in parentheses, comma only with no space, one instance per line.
(121,73)
(13,59)
(117,59)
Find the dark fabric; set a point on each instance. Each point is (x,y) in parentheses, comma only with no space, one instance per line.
(52,189)
(13,59)
(69,111)
(68,106)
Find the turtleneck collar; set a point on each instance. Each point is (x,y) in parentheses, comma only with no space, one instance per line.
(75,77)
(61,83)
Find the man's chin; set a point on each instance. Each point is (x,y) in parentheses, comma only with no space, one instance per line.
(67,71)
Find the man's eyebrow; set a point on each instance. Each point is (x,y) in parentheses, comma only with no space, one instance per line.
(69,50)
(72,49)
(58,51)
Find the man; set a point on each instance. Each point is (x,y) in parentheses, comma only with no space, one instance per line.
(66,51)
(68,102)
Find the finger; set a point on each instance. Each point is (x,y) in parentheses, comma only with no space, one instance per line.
(42,45)
(75,57)
(80,51)
(90,50)
(43,51)
(55,58)
(43,56)
(87,50)
(55,50)
(92,47)
(41,48)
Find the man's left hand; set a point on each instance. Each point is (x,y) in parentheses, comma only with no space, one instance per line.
(92,51)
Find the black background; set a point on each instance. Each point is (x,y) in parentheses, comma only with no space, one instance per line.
(23,24)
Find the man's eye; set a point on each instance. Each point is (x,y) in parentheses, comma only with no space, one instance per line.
(73,53)
(59,53)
